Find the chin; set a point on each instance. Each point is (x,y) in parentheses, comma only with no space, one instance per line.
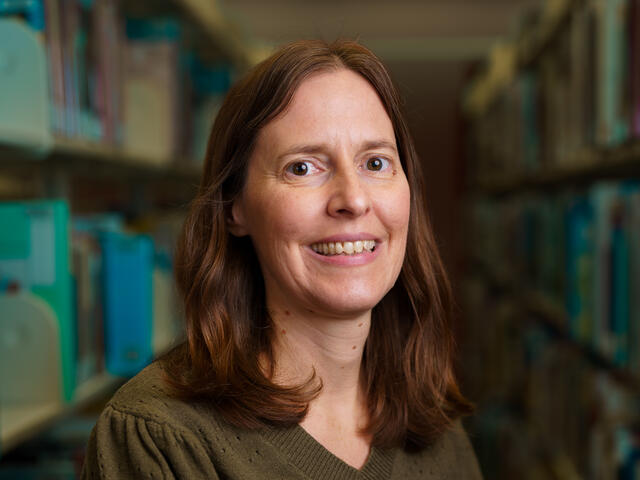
(347,305)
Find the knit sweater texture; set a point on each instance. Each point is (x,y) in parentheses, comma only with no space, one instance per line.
(143,433)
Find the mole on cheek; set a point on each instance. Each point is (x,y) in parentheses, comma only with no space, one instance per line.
(283,331)
(360,324)
(353,348)
(286,312)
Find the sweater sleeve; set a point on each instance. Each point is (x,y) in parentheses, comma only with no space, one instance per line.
(123,445)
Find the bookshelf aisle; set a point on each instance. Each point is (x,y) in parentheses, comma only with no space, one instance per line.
(553,360)
(105,111)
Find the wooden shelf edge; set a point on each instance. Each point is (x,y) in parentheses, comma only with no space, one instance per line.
(72,153)
(221,32)
(585,165)
(487,86)
(18,423)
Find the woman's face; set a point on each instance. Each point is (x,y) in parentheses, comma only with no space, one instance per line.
(325,177)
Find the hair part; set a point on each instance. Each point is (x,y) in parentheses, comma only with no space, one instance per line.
(407,372)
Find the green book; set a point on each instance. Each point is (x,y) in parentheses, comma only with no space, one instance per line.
(34,256)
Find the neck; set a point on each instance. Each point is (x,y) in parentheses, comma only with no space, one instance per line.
(308,341)
(305,342)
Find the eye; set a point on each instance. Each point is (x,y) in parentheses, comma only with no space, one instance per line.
(299,169)
(376,164)
(302,168)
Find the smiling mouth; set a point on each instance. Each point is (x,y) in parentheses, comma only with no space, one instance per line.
(344,248)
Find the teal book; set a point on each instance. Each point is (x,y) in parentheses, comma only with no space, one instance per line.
(31,11)
(619,285)
(34,256)
(603,197)
(633,240)
(579,249)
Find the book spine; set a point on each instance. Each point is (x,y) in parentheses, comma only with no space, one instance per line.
(619,284)
(634,63)
(56,64)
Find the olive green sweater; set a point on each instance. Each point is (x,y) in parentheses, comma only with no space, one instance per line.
(145,433)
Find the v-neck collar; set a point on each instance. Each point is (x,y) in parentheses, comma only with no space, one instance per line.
(307,454)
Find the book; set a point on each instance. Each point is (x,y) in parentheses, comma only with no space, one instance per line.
(31,11)
(151,91)
(34,255)
(88,291)
(580,248)
(634,67)
(128,316)
(612,122)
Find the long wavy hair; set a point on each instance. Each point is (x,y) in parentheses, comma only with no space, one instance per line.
(407,371)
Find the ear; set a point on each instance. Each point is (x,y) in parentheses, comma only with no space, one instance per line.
(237,220)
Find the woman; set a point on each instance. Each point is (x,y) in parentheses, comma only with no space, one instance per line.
(317,308)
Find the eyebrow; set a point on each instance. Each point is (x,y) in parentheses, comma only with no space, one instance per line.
(322,147)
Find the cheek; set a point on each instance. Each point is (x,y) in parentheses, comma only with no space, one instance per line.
(395,209)
(279,217)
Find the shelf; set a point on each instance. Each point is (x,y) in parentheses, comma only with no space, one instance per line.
(214,32)
(220,31)
(501,68)
(18,423)
(94,159)
(551,315)
(21,422)
(581,168)
(554,318)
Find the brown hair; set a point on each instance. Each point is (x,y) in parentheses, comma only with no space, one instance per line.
(407,370)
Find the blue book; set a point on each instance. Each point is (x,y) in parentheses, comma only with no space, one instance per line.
(127,284)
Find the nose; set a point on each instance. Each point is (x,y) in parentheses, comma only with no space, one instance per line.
(348,195)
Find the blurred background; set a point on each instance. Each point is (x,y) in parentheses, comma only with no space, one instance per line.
(525,114)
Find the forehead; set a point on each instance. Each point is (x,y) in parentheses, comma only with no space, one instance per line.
(331,105)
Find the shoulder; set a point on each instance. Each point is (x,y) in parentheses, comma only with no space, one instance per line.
(147,397)
(144,431)
(451,456)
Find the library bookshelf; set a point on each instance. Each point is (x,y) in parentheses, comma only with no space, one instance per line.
(93,137)
(553,207)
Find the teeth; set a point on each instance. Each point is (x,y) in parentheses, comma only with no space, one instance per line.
(346,248)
